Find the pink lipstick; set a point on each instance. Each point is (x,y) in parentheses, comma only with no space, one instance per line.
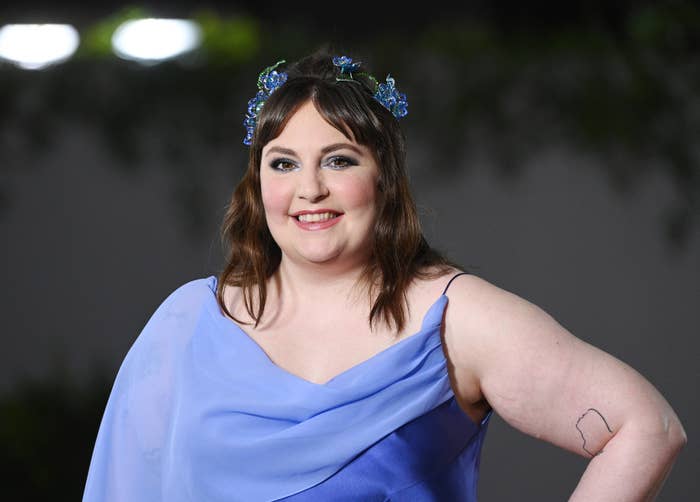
(318,219)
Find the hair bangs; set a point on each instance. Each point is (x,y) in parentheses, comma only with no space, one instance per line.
(341,104)
(278,109)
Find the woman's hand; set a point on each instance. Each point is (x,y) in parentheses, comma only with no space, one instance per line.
(551,385)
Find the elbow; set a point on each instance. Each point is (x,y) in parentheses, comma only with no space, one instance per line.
(675,433)
(677,436)
(665,431)
(674,437)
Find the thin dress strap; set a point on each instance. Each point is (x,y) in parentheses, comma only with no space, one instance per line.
(453,278)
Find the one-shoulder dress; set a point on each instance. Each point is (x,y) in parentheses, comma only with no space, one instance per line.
(199,412)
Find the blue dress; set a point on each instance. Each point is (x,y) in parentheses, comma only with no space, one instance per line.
(199,412)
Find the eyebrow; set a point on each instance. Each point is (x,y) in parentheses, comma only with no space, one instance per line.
(324,150)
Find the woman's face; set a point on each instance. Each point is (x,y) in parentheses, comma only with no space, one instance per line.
(319,189)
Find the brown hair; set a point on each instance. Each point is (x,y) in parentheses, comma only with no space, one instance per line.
(400,252)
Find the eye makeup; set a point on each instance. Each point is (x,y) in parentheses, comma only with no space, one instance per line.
(336,163)
(339,162)
(284,165)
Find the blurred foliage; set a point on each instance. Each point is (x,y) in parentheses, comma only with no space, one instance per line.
(229,40)
(47,432)
(624,96)
(96,39)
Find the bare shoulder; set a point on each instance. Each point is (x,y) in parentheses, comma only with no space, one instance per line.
(467,297)
(434,279)
(473,290)
(480,319)
(480,312)
(426,289)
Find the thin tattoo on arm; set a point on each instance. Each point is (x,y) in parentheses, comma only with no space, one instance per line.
(584,437)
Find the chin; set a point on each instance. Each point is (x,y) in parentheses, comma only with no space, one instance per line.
(318,258)
(320,253)
(316,254)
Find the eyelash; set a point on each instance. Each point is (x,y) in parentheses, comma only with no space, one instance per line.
(275,164)
(346,161)
(330,163)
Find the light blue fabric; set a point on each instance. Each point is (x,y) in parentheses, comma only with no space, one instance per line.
(199,412)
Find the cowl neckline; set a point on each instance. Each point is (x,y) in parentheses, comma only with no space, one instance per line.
(249,430)
(431,319)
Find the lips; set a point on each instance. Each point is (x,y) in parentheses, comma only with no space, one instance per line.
(316,217)
(317,220)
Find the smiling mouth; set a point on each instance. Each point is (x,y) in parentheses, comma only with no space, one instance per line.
(316,217)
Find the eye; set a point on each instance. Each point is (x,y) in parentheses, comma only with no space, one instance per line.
(340,162)
(283,165)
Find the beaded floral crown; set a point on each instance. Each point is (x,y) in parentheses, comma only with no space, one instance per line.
(270,80)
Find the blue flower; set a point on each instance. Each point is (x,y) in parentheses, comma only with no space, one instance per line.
(393,100)
(345,64)
(273,80)
(269,81)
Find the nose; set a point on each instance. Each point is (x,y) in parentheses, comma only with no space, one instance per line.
(311,186)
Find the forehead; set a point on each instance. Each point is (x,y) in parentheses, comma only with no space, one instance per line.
(307,128)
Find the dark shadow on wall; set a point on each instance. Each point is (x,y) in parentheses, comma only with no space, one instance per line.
(47,432)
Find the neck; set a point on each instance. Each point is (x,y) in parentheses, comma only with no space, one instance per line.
(319,283)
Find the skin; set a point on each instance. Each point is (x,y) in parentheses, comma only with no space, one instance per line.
(549,384)
(503,352)
(327,172)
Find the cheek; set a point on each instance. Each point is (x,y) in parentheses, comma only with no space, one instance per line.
(361,193)
(276,198)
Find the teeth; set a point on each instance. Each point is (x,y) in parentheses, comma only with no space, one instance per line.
(307,218)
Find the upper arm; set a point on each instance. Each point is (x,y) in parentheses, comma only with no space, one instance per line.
(539,377)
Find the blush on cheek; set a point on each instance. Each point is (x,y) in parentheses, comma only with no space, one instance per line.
(276,201)
(360,193)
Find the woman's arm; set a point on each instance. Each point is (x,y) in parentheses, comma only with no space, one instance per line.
(551,385)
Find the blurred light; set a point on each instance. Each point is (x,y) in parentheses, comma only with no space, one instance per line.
(35,46)
(152,40)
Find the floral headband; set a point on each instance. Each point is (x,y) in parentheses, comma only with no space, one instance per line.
(270,80)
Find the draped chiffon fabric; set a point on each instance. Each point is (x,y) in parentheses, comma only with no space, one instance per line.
(199,412)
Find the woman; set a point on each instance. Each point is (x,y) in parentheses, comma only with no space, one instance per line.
(337,356)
